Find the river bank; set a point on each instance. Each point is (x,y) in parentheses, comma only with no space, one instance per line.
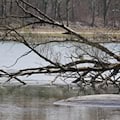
(46,34)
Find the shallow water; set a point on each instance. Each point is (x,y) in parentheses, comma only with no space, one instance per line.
(36,103)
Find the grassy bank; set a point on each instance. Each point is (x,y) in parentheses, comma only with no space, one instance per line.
(55,34)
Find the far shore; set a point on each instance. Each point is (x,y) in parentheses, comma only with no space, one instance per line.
(47,33)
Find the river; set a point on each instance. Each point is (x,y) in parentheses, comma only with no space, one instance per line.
(35,102)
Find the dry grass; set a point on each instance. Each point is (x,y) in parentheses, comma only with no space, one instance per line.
(47,32)
(90,33)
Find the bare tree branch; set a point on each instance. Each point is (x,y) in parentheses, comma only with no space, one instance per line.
(84,71)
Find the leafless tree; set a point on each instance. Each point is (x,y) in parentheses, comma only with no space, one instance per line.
(88,12)
(93,4)
(67,11)
(106,4)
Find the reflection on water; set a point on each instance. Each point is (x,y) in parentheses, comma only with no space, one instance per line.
(36,103)
(57,113)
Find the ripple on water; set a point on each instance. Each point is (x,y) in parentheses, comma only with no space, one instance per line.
(101,100)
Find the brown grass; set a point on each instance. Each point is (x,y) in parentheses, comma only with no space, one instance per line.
(46,32)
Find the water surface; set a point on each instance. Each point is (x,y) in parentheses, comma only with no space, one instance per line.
(36,103)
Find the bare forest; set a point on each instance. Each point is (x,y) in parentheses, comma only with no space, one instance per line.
(98,13)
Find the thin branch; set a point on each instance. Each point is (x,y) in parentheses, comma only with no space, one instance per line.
(10,76)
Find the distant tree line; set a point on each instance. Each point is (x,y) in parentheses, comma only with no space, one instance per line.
(79,12)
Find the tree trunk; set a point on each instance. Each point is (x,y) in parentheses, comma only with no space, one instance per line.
(11,6)
(106,5)
(93,12)
(67,12)
(72,13)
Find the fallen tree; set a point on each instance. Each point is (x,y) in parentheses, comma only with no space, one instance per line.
(95,69)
